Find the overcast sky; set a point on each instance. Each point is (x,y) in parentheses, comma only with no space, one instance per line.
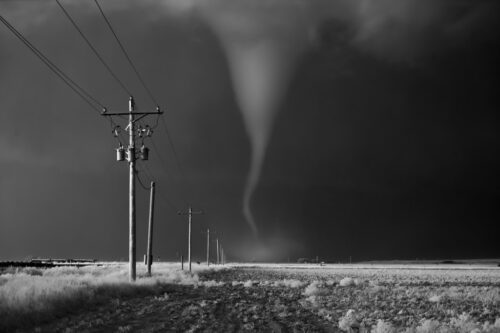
(355,128)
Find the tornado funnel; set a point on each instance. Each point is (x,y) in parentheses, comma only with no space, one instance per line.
(262,42)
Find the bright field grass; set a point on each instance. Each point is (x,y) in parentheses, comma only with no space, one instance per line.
(361,298)
(29,296)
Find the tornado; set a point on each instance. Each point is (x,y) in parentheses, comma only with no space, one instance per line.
(260,73)
(262,41)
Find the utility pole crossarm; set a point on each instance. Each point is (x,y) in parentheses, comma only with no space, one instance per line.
(139,114)
(131,111)
(108,114)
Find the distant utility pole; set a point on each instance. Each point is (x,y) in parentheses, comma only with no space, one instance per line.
(149,257)
(208,246)
(217,241)
(131,158)
(189,213)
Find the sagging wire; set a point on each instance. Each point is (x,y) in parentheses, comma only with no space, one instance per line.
(125,53)
(94,50)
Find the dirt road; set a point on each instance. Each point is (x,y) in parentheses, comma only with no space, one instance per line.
(187,309)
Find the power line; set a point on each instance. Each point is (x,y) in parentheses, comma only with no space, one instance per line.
(147,188)
(84,95)
(169,203)
(108,68)
(176,157)
(75,25)
(164,165)
(126,54)
(171,144)
(148,172)
(56,70)
(131,63)
(150,175)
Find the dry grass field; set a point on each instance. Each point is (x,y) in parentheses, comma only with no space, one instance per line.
(264,297)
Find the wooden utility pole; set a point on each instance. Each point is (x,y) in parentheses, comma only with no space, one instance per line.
(149,256)
(211,239)
(208,247)
(218,261)
(189,238)
(131,158)
(131,193)
(189,213)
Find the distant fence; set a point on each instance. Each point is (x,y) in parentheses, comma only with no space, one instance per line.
(48,263)
(62,261)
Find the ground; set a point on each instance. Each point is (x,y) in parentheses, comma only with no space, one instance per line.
(185,309)
(285,298)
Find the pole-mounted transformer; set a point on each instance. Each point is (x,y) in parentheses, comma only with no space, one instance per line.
(120,153)
(144,153)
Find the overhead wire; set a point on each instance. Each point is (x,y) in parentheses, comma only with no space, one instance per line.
(168,202)
(151,176)
(78,89)
(81,92)
(125,53)
(140,78)
(147,188)
(164,165)
(104,63)
(89,99)
(176,157)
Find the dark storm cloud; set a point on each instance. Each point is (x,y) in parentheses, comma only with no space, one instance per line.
(264,39)
(406,30)
(367,119)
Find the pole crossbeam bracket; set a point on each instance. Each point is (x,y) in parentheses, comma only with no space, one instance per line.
(194,212)
(131,113)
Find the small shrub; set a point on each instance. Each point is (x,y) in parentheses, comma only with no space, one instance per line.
(383,327)
(346,282)
(349,321)
(314,289)
(248,284)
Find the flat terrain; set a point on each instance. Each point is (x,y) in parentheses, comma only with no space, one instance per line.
(182,308)
(279,298)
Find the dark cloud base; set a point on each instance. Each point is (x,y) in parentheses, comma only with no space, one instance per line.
(380,150)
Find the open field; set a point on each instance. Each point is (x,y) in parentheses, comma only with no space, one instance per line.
(244,297)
